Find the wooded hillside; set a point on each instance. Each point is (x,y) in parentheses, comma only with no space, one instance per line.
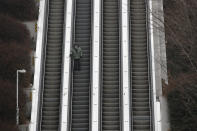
(181,40)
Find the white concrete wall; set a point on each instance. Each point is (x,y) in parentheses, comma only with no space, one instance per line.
(159,63)
(38,65)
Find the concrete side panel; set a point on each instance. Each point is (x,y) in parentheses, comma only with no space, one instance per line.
(160,59)
(159,35)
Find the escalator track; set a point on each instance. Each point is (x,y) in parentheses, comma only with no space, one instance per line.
(49,120)
(141,100)
(111,67)
(81,79)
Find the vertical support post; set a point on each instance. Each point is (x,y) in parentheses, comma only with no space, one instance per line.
(17,108)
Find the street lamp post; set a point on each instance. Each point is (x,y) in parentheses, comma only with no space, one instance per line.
(17,107)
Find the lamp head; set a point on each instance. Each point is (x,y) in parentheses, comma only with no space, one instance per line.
(22,71)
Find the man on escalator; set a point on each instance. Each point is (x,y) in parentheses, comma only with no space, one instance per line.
(76,55)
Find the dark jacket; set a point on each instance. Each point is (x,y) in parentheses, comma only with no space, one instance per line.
(76,53)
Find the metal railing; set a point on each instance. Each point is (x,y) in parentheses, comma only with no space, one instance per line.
(130,66)
(149,68)
(91,57)
(101,65)
(43,70)
(120,64)
(71,74)
(90,88)
(101,74)
(71,96)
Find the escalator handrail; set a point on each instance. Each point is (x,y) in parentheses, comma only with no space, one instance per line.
(43,68)
(90,73)
(130,65)
(101,74)
(120,64)
(71,96)
(151,109)
(71,74)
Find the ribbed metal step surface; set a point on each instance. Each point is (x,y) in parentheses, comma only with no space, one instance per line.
(81,79)
(140,103)
(111,93)
(53,62)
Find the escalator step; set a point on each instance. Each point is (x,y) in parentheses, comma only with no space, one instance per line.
(52,76)
(140,104)
(81,79)
(110,96)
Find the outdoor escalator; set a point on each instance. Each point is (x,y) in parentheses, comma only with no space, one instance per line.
(81,79)
(50,99)
(140,88)
(111,67)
